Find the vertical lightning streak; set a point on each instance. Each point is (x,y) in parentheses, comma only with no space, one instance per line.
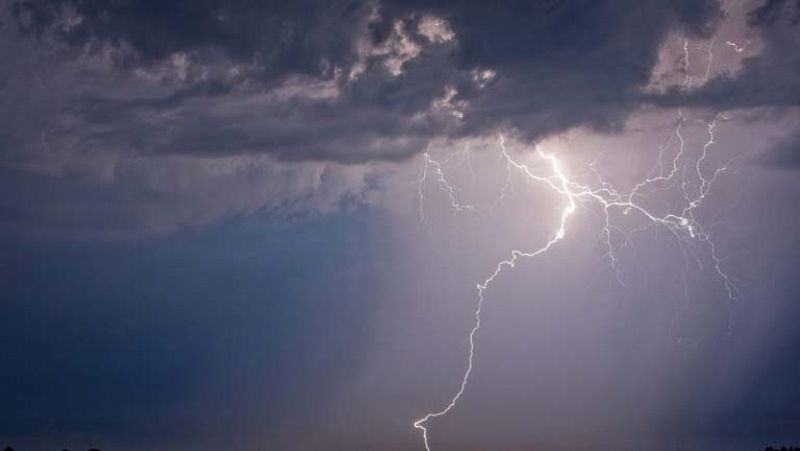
(687,78)
(710,57)
(423,175)
(443,184)
(562,186)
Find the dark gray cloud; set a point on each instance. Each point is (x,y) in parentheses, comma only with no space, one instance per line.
(785,153)
(554,65)
(280,37)
(564,64)
(302,82)
(98,87)
(768,79)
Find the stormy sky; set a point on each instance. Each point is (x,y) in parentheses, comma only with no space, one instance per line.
(235,224)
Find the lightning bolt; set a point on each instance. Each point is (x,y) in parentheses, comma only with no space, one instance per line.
(681,225)
(709,57)
(444,184)
(687,78)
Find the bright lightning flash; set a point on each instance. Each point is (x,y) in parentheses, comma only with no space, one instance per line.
(681,224)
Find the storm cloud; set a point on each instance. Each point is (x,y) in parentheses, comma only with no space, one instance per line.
(364,81)
(96,87)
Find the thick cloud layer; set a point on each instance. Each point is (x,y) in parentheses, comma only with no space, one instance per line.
(350,81)
(97,87)
(768,79)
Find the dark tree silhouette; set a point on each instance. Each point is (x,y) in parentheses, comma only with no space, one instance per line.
(8,448)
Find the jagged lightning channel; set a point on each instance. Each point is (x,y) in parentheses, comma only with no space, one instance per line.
(683,226)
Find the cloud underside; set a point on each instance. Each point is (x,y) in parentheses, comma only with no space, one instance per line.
(96,85)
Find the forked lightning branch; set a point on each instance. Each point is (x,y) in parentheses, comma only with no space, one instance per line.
(681,223)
